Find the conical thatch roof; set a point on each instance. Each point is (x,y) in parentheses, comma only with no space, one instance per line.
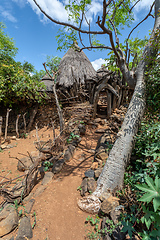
(74,67)
(48,82)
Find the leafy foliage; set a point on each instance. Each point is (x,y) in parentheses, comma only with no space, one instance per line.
(7,46)
(153,86)
(144,175)
(16,83)
(118,13)
(53,63)
(152,189)
(65,38)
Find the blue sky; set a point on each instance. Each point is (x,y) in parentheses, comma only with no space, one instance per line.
(34,35)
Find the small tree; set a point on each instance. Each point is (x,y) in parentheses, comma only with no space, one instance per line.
(16,83)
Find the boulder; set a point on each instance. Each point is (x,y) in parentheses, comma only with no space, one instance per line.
(69,153)
(94,165)
(57,167)
(29,206)
(24,164)
(47,178)
(84,187)
(97,172)
(25,229)
(91,185)
(8,219)
(109,204)
(89,173)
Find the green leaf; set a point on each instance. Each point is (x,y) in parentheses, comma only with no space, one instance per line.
(156,203)
(152,191)
(146,198)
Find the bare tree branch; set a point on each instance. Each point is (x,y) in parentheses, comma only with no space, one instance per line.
(67,24)
(60,114)
(97,47)
(149,14)
(134,6)
(109,32)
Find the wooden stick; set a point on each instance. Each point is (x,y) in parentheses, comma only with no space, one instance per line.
(38,140)
(60,113)
(54,135)
(35,110)
(18,160)
(24,120)
(30,156)
(1,120)
(7,116)
(18,116)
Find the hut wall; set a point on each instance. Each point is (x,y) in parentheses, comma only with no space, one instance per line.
(45,113)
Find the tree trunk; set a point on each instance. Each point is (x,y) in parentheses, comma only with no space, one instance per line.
(112,176)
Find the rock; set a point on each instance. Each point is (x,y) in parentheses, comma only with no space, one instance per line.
(105,196)
(47,178)
(97,120)
(26,164)
(102,154)
(108,204)
(84,187)
(89,173)
(25,229)
(90,204)
(100,130)
(82,129)
(8,219)
(58,166)
(91,185)
(39,190)
(13,138)
(4,146)
(94,165)
(69,153)
(97,172)
(100,121)
(29,206)
(115,215)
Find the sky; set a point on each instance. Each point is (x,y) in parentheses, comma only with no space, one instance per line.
(35,36)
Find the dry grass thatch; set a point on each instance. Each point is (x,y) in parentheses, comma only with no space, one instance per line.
(74,67)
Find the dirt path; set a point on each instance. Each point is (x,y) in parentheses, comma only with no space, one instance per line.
(57,213)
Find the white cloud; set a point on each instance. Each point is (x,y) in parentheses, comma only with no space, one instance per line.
(94,9)
(21,3)
(143,5)
(53,8)
(56,9)
(98,63)
(7,15)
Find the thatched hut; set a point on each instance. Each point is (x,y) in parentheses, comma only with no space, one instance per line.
(74,69)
